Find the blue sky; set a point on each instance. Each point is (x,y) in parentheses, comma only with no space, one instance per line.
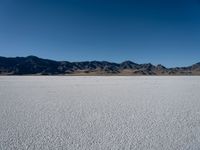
(158,31)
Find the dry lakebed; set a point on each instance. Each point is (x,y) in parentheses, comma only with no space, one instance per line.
(99,113)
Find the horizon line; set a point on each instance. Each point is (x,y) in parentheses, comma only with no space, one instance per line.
(126,60)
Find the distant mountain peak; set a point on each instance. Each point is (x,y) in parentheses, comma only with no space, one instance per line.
(32,56)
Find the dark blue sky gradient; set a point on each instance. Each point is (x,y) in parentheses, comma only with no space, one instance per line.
(156,31)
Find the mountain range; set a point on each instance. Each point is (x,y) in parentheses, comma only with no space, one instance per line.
(32,65)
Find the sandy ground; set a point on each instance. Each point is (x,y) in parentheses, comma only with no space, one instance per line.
(44,112)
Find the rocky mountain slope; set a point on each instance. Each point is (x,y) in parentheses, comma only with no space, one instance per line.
(33,65)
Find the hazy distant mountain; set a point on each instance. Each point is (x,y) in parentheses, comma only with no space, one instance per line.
(33,65)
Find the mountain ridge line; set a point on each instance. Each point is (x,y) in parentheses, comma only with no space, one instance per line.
(33,65)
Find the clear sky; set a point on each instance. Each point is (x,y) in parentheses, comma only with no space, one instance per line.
(157,31)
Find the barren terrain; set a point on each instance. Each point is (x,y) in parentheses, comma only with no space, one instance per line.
(58,112)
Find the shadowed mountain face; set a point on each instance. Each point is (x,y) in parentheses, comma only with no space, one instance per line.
(33,65)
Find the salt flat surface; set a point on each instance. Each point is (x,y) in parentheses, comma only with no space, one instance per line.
(157,113)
